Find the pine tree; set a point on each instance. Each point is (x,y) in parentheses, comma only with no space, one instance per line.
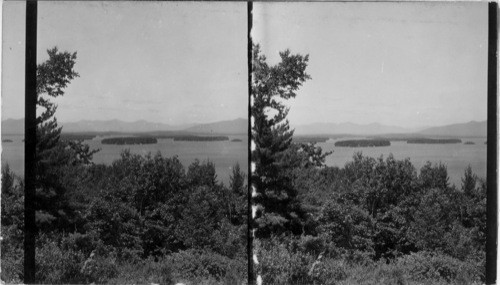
(54,156)
(271,133)
(237,196)
(469,181)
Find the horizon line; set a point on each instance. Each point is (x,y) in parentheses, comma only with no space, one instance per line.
(291,124)
(141,120)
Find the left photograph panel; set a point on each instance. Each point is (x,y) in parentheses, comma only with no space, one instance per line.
(141,142)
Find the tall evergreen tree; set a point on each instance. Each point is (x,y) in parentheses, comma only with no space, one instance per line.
(271,133)
(469,181)
(237,196)
(53,155)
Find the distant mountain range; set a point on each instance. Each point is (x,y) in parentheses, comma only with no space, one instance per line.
(470,129)
(237,126)
(13,126)
(350,128)
(118,126)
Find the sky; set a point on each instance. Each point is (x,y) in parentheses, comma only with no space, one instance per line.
(174,63)
(402,64)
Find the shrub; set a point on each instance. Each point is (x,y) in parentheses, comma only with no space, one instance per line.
(311,244)
(55,265)
(79,242)
(101,265)
(204,265)
(279,264)
(12,264)
(348,226)
(424,266)
(143,272)
(329,271)
(63,260)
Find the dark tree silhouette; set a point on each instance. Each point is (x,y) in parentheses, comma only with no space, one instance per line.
(271,85)
(53,154)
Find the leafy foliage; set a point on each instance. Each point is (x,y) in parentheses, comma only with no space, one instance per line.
(142,212)
(12,227)
(379,215)
(140,208)
(374,221)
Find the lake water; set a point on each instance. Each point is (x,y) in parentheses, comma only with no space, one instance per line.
(224,154)
(455,156)
(13,153)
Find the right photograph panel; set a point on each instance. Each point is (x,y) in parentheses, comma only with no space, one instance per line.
(369,142)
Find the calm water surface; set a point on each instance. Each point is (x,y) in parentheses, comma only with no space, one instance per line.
(455,156)
(224,154)
(13,153)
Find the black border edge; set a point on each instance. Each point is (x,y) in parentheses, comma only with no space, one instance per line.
(30,142)
(251,277)
(492,151)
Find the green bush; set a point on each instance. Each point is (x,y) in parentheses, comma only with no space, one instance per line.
(413,269)
(65,260)
(205,265)
(329,271)
(288,260)
(99,269)
(85,243)
(55,265)
(143,272)
(12,264)
(424,266)
(280,264)
(310,244)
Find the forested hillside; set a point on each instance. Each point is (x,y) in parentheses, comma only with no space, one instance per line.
(143,219)
(373,221)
